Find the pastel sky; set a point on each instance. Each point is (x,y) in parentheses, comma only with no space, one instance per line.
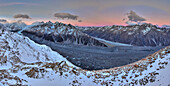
(91,12)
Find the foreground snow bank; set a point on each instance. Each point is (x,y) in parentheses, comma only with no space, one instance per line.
(17,48)
(23,62)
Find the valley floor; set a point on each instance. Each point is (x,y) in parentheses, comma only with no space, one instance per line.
(95,58)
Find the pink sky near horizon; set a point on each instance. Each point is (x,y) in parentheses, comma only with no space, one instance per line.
(97,24)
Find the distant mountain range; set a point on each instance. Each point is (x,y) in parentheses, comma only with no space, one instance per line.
(59,32)
(137,35)
(55,32)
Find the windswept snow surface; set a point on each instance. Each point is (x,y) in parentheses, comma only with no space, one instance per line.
(26,67)
(27,50)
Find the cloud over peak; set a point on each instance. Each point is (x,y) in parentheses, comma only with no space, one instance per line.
(23,16)
(66,16)
(3,20)
(80,21)
(132,16)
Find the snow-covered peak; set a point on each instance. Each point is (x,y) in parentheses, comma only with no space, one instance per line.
(166,26)
(131,23)
(15,26)
(25,50)
(56,28)
(37,23)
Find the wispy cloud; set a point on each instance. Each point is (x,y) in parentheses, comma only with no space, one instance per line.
(16,3)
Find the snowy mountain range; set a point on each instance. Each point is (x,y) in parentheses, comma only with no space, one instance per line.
(59,32)
(138,35)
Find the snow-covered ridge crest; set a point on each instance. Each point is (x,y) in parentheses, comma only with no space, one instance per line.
(152,70)
(165,52)
(26,50)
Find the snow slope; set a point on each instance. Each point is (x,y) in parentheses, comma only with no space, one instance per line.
(20,64)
